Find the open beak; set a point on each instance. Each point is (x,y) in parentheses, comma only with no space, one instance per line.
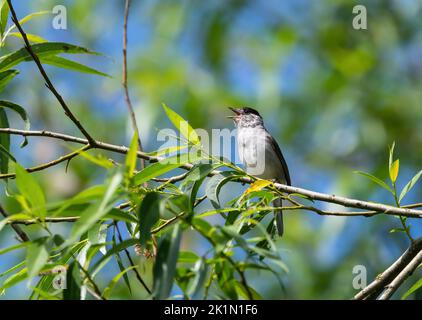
(236,113)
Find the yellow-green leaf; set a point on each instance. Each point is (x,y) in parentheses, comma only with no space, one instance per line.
(182,125)
(131,156)
(257,185)
(394,170)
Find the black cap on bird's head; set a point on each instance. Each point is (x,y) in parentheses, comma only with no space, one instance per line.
(247,116)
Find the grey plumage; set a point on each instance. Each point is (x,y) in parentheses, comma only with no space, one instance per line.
(260,153)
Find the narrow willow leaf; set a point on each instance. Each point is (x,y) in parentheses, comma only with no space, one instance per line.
(394,170)
(183,126)
(5,143)
(99,160)
(375,179)
(42,50)
(409,185)
(6,77)
(110,286)
(4,15)
(95,211)
(157,169)
(257,186)
(188,257)
(21,112)
(12,248)
(36,256)
(214,185)
(120,215)
(165,265)
(391,155)
(132,155)
(31,37)
(73,283)
(64,63)
(149,213)
(14,279)
(243,292)
(200,269)
(412,289)
(12,269)
(31,191)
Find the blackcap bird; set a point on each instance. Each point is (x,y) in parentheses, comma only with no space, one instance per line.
(260,153)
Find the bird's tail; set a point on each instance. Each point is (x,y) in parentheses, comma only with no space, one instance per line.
(278,215)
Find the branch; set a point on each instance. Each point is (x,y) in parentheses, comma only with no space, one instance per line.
(21,234)
(399,269)
(124,82)
(48,83)
(378,208)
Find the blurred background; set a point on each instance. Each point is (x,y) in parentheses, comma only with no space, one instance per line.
(334,97)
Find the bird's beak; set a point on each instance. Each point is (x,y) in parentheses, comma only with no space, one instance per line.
(236,111)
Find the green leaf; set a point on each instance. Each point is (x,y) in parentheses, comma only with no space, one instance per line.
(73,283)
(4,15)
(157,169)
(165,265)
(109,288)
(5,143)
(31,37)
(394,170)
(32,15)
(64,63)
(375,179)
(41,50)
(149,213)
(12,248)
(391,155)
(6,77)
(200,270)
(214,185)
(188,257)
(132,155)
(412,289)
(14,279)
(21,112)
(409,185)
(183,126)
(95,211)
(36,256)
(31,191)
(120,215)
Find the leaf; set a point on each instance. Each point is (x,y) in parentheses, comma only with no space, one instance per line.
(120,215)
(73,283)
(391,155)
(165,265)
(5,143)
(95,211)
(36,256)
(64,63)
(394,170)
(132,155)
(6,77)
(21,112)
(188,257)
(31,37)
(257,186)
(14,279)
(149,213)
(410,185)
(375,179)
(31,191)
(157,169)
(412,289)
(200,270)
(109,288)
(183,126)
(214,185)
(32,15)
(4,15)
(15,247)
(41,50)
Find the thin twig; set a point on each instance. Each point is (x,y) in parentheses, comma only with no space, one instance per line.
(138,276)
(21,234)
(48,82)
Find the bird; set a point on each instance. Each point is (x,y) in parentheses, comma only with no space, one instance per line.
(260,153)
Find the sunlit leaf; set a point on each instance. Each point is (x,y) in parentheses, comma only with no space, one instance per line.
(412,289)
(107,291)
(31,191)
(64,63)
(375,179)
(410,185)
(132,155)
(257,185)
(394,170)
(31,37)
(4,15)
(182,125)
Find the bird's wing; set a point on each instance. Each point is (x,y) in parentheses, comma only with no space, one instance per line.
(277,150)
